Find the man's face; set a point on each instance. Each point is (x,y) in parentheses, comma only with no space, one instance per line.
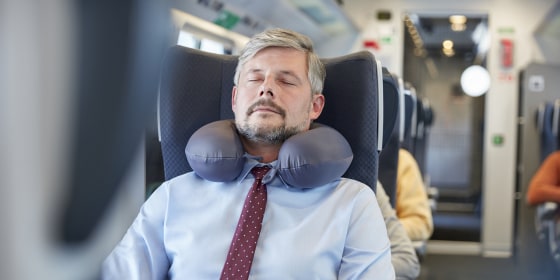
(273,98)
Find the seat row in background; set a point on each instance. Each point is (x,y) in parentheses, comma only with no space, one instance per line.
(537,137)
(416,134)
(410,130)
(548,124)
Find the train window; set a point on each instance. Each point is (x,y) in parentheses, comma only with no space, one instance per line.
(198,41)
(212,46)
(188,40)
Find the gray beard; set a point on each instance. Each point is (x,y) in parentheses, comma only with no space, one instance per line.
(276,135)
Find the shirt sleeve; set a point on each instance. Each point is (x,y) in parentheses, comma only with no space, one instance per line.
(413,208)
(367,252)
(403,255)
(545,184)
(141,254)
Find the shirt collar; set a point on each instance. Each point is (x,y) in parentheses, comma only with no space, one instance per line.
(251,162)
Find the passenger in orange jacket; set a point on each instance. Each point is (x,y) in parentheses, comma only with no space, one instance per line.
(545,184)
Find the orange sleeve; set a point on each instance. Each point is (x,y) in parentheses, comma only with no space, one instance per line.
(545,184)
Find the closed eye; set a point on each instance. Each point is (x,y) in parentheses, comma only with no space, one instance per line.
(254,79)
(254,75)
(288,78)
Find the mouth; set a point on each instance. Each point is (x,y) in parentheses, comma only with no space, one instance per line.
(266,107)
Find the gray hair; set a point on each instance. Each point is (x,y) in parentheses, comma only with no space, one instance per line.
(284,38)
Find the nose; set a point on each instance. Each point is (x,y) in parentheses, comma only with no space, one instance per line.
(266,91)
(266,88)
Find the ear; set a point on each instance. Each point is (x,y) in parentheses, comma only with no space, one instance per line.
(317,104)
(233,97)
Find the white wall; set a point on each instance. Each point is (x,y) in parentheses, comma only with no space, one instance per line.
(522,19)
(501,116)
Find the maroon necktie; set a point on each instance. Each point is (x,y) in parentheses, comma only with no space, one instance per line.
(242,248)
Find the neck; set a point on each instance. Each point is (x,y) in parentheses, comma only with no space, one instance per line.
(268,152)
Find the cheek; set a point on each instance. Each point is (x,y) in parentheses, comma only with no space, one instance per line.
(239,105)
(236,108)
(300,112)
(308,106)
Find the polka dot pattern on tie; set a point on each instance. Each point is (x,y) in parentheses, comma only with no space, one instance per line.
(242,248)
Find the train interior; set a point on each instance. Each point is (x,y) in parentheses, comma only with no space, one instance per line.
(477,142)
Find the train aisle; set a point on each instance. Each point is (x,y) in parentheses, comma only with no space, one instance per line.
(460,267)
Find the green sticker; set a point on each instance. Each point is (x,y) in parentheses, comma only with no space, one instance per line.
(498,140)
(227,19)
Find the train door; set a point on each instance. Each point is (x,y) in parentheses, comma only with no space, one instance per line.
(438,48)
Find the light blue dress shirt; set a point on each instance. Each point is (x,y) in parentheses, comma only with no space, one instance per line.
(184,231)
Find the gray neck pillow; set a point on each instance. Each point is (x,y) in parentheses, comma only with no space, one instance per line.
(306,160)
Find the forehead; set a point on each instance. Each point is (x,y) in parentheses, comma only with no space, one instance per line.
(278,58)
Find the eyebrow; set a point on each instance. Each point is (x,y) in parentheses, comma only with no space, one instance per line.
(254,70)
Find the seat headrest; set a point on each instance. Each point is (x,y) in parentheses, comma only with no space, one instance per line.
(390,105)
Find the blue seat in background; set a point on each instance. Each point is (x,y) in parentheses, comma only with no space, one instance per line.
(389,156)
(544,120)
(409,108)
(424,118)
(556,123)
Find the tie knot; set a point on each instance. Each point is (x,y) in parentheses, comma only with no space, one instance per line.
(259,171)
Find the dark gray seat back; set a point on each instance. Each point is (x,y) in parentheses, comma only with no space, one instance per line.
(196,86)
(389,156)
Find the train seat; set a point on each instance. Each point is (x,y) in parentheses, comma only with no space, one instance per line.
(407,141)
(556,122)
(195,89)
(544,123)
(424,119)
(389,156)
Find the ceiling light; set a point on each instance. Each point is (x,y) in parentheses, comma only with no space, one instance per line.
(447,44)
(457,27)
(448,52)
(475,80)
(457,19)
